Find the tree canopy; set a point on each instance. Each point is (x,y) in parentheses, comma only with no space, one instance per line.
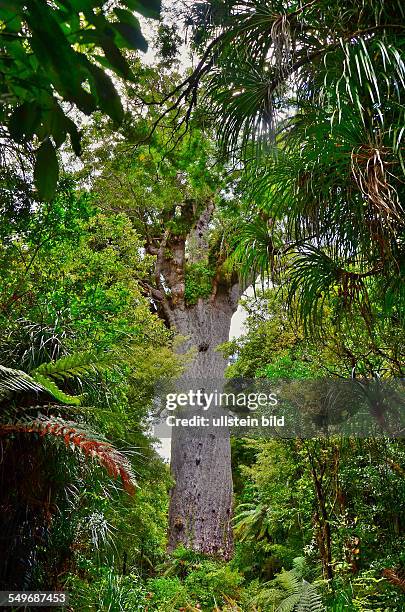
(59,53)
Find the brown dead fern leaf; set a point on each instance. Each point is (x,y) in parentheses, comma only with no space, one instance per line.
(395,576)
(112,460)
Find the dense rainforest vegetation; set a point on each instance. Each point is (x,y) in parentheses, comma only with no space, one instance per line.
(252,159)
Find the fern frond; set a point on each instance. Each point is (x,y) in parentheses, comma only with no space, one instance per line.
(300,565)
(51,387)
(289,592)
(289,603)
(290,581)
(310,600)
(69,366)
(266,597)
(115,463)
(17,381)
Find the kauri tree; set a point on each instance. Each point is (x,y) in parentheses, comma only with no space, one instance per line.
(177,201)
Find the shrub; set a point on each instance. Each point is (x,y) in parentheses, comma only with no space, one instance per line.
(166,594)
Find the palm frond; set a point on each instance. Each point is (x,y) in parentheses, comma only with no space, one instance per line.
(16,381)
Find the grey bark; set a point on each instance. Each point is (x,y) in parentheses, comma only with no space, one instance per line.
(201,499)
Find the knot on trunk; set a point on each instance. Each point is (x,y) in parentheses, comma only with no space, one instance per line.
(178,523)
(203,347)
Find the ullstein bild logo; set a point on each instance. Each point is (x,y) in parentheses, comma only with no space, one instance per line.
(225,421)
(214,400)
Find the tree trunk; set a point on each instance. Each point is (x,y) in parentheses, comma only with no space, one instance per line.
(201,499)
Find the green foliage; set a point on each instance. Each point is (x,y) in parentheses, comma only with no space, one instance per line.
(367,592)
(251,521)
(74,317)
(290,592)
(73,275)
(319,125)
(198,281)
(46,171)
(50,386)
(278,503)
(286,367)
(70,366)
(62,52)
(200,582)
(274,345)
(107,591)
(269,526)
(167,594)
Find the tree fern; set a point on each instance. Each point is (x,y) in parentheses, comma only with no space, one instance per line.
(290,592)
(20,389)
(310,600)
(251,521)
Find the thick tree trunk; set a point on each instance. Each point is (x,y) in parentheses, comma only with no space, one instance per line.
(201,499)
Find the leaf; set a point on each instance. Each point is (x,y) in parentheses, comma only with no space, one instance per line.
(13,22)
(63,65)
(24,120)
(57,125)
(108,98)
(53,389)
(130,30)
(46,171)
(74,134)
(55,122)
(76,364)
(147,8)
(116,59)
(127,17)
